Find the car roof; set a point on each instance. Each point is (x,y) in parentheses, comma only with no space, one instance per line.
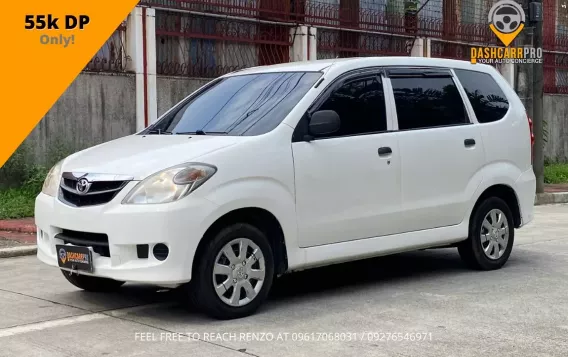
(360,62)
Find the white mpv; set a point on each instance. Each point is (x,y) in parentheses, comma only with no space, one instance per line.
(276,169)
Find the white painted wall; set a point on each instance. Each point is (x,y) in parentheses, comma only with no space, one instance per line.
(151,65)
(134,47)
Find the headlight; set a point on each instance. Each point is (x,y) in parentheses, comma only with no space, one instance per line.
(51,183)
(171,184)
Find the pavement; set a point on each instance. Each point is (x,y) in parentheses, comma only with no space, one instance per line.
(357,308)
(560,187)
(23,225)
(553,193)
(18,239)
(550,198)
(15,244)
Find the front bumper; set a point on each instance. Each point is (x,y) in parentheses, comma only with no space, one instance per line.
(179,225)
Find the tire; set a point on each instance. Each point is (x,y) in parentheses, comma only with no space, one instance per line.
(91,283)
(202,289)
(473,250)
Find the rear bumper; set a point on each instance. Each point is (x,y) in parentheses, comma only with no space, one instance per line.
(526,192)
(179,225)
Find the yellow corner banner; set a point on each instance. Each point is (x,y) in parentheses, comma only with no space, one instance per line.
(48,44)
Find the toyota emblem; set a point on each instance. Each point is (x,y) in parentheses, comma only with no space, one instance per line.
(82,186)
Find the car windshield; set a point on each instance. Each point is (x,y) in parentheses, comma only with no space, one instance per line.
(241,105)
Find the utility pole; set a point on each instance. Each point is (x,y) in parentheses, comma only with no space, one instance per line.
(535,16)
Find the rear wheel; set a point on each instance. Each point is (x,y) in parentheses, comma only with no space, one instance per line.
(91,283)
(234,273)
(491,236)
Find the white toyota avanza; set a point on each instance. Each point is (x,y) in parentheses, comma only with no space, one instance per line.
(275,169)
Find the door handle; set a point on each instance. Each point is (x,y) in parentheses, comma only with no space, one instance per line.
(385,151)
(469,143)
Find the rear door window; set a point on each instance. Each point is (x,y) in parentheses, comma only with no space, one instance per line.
(486,97)
(427,102)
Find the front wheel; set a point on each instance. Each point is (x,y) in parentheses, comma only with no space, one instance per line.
(491,236)
(92,283)
(234,273)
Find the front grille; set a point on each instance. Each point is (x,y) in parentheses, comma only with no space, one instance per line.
(96,186)
(98,193)
(91,200)
(98,241)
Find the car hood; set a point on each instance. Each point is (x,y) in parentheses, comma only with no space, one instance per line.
(142,155)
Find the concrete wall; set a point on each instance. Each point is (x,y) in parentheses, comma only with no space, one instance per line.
(556,117)
(97,108)
(94,109)
(170,90)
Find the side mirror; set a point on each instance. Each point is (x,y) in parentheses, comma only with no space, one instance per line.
(324,122)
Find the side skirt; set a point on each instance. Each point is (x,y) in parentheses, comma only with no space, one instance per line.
(377,246)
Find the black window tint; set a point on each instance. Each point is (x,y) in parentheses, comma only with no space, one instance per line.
(241,105)
(427,102)
(487,99)
(360,104)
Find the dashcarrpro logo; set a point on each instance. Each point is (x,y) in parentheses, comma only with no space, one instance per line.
(62,255)
(72,257)
(507,20)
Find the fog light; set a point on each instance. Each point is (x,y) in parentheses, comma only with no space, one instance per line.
(161,251)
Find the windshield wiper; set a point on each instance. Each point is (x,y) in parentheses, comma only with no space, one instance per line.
(199,132)
(159,132)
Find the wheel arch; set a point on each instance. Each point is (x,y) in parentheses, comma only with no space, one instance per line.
(261,219)
(507,194)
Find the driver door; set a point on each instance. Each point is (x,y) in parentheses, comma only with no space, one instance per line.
(348,182)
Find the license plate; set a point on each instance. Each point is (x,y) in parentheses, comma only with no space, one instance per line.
(75,258)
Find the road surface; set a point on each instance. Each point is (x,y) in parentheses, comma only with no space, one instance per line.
(414,304)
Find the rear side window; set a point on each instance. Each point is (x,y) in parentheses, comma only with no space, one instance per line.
(427,102)
(486,97)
